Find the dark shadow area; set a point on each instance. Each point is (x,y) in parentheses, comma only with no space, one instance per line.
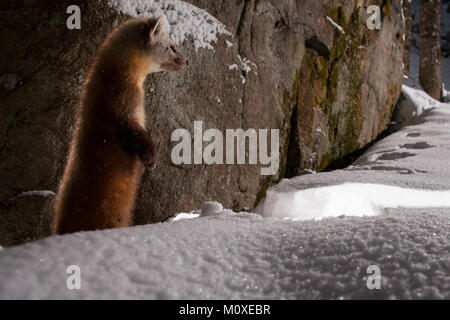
(417,145)
(293,153)
(348,159)
(396,156)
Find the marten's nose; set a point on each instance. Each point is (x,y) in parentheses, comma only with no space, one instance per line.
(187,62)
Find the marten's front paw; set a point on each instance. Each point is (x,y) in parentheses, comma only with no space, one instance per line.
(148,160)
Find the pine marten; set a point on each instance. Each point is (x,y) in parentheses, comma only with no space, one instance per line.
(110,146)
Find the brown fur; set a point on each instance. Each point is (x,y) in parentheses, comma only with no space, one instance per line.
(110,146)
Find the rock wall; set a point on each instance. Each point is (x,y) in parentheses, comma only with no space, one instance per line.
(281,64)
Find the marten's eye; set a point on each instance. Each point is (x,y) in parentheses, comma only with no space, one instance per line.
(173,49)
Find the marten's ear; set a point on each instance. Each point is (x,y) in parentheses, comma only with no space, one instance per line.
(159,29)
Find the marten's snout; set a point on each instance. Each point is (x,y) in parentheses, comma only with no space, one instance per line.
(181,61)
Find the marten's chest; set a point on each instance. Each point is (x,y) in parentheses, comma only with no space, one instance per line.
(139,115)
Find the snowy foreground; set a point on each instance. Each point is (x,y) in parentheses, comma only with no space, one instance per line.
(319,234)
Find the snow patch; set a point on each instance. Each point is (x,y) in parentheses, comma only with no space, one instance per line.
(183,216)
(40,193)
(348,199)
(246,65)
(341,30)
(185,20)
(414,102)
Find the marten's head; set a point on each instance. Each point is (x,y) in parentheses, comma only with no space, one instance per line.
(145,45)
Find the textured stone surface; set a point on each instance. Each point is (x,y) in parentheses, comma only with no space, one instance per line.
(308,76)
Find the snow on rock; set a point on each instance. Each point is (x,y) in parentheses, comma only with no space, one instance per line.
(185,20)
(209,208)
(40,193)
(33,193)
(183,215)
(334,24)
(246,65)
(414,102)
(245,68)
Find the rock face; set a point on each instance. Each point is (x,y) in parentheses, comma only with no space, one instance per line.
(280,64)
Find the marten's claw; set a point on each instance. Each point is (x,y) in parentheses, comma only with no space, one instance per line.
(148,160)
(151,166)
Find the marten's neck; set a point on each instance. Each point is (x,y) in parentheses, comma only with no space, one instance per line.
(124,72)
(114,84)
